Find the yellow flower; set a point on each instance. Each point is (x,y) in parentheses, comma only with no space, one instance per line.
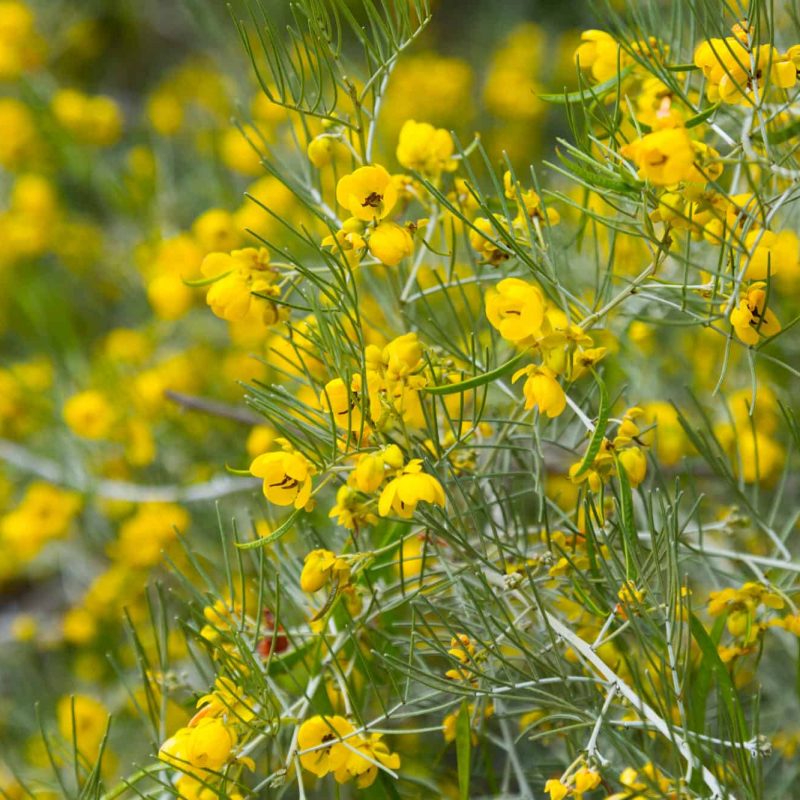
(751,319)
(531,203)
(368,193)
(483,235)
(190,788)
(89,414)
(203,747)
(585,780)
(542,390)
(165,112)
(321,566)
(21,47)
(238,153)
(669,439)
(19,139)
(402,493)
(215,230)
(749,596)
(556,789)
(322,149)
(402,356)
(762,457)
(771,254)
(348,241)
(144,536)
(630,595)
(362,765)
(734,73)
(791,623)
(664,157)
(600,54)
(516,309)
(225,699)
(351,511)
(634,462)
(287,477)
(343,403)
(95,120)
(259,440)
(371,467)
(238,275)
(89,720)
(424,148)
(127,345)
(390,243)
(326,731)
(461,648)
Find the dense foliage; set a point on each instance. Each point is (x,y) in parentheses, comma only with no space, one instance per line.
(345,453)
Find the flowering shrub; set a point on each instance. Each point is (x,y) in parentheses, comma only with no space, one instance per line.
(345,453)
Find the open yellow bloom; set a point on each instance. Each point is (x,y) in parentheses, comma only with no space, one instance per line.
(664,157)
(751,319)
(287,477)
(424,148)
(368,193)
(326,731)
(348,241)
(516,309)
(239,274)
(362,765)
(203,747)
(734,73)
(402,493)
(542,390)
(325,736)
(771,254)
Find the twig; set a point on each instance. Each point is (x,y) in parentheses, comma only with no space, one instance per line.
(44,468)
(213,408)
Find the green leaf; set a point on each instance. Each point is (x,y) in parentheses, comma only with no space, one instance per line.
(477,380)
(463,745)
(283,528)
(604,88)
(701,117)
(206,281)
(599,430)
(595,178)
(236,471)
